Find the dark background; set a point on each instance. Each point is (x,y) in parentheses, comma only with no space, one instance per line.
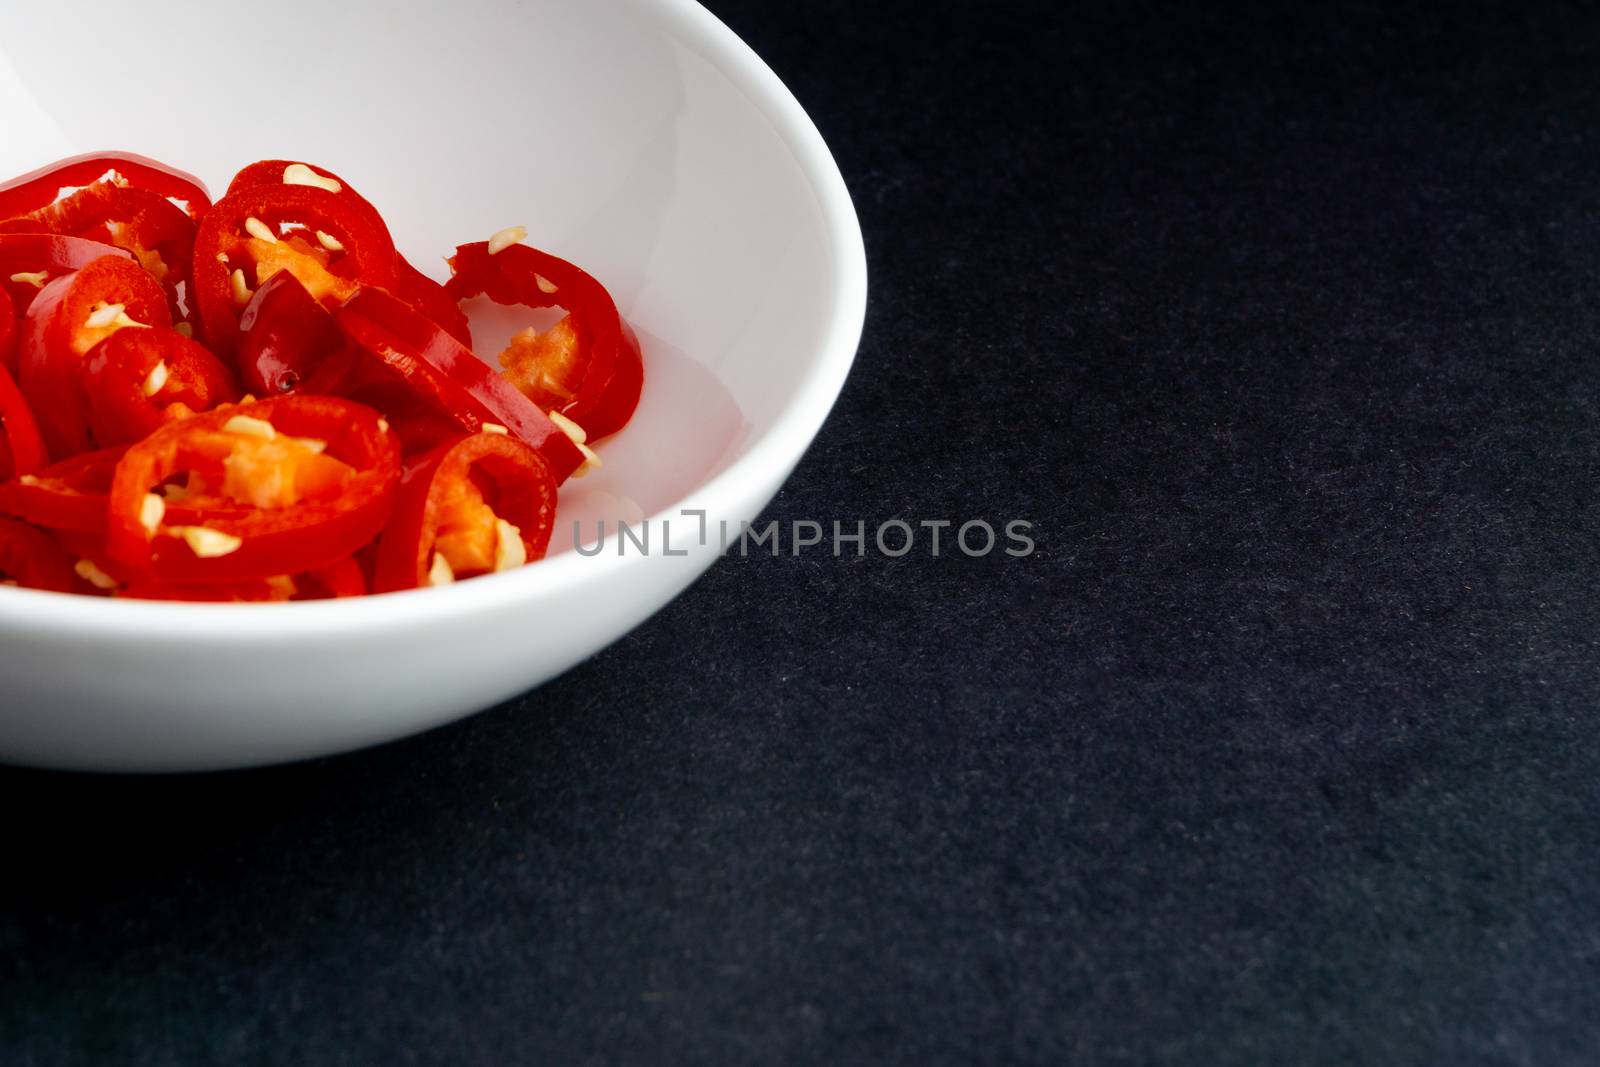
(1280,328)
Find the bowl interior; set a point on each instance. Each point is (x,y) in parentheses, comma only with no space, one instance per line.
(603,128)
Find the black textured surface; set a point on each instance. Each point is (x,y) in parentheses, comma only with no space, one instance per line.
(1281,330)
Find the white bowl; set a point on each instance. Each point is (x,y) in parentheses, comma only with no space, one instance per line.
(641,139)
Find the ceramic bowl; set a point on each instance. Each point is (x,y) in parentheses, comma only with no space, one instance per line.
(639,138)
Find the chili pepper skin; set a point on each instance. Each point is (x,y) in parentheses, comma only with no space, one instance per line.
(314,529)
(31,559)
(137,380)
(513,479)
(58,332)
(589,366)
(41,187)
(21,447)
(436,366)
(284,335)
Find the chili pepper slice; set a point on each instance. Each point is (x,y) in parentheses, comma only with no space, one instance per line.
(412,286)
(341,579)
(436,366)
(472,506)
(21,447)
(70,316)
(284,335)
(333,247)
(137,380)
(295,172)
(279,486)
(97,573)
(336,582)
(29,260)
(587,366)
(69,497)
(42,187)
(431,299)
(356,374)
(157,233)
(29,558)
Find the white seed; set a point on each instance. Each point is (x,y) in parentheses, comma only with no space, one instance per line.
(184,329)
(310,444)
(283,585)
(570,428)
(591,461)
(494,427)
(260,230)
(151,512)
(156,380)
(222,257)
(440,573)
(509,551)
(506,238)
(545,284)
(35,278)
(300,174)
(383,425)
(241,289)
(207,543)
(250,427)
(92,574)
(103,315)
(329,241)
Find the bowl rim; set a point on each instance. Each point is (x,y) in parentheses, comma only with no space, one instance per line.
(779,447)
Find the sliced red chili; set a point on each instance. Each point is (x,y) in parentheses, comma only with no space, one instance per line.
(42,187)
(21,447)
(341,579)
(29,260)
(412,286)
(31,559)
(70,316)
(284,335)
(280,486)
(436,366)
(456,507)
(335,582)
(587,366)
(432,300)
(356,374)
(157,233)
(137,380)
(332,246)
(284,171)
(67,496)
